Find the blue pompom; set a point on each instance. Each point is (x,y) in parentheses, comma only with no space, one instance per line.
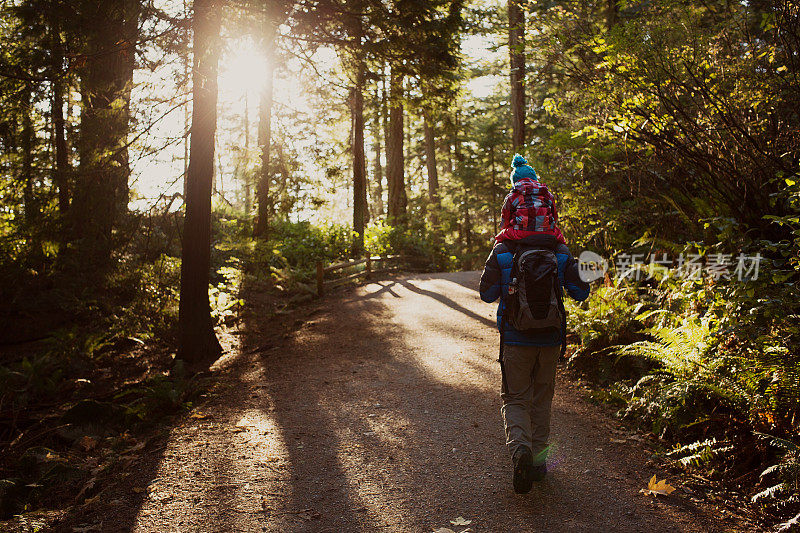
(518,161)
(522,169)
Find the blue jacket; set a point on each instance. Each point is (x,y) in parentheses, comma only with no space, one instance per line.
(497,275)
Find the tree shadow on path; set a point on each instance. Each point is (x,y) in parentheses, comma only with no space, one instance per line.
(448,302)
(381,413)
(380,432)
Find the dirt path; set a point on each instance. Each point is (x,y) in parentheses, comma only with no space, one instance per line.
(381,413)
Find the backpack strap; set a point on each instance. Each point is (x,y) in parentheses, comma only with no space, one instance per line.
(560,295)
(512,247)
(503,323)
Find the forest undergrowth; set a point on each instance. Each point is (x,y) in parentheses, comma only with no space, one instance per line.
(710,367)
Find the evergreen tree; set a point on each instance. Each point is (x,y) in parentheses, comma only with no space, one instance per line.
(197,343)
(105,70)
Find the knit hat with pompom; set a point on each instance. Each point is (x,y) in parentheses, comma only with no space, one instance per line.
(522,169)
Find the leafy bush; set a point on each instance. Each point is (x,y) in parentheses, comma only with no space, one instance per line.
(608,319)
(30,380)
(700,453)
(724,364)
(380,238)
(224,296)
(148,306)
(161,395)
(690,381)
(301,244)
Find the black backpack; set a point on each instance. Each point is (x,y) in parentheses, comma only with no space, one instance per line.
(533,302)
(534,296)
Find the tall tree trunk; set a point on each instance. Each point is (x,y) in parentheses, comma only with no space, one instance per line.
(61,163)
(133,12)
(465,226)
(187,117)
(443,145)
(467,223)
(247,193)
(198,346)
(221,174)
(516,47)
(377,195)
(433,173)
(187,126)
(456,139)
(612,13)
(398,200)
(452,140)
(27,175)
(495,187)
(385,124)
(265,136)
(359,158)
(101,186)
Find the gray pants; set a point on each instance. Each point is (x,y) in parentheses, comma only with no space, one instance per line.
(530,380)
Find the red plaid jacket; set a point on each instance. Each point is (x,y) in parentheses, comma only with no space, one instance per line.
(529,209)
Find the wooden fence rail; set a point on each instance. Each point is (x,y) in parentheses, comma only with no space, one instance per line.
(369,269)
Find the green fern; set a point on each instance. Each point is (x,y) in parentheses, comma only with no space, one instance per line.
(790,525)
(770,493)
(784,489)
(680,350)
(609,319)
(690,373)
(700,452)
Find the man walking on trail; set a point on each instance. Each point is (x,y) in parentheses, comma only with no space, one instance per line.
(538,269)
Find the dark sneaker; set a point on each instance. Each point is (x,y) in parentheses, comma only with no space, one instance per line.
(538,472)
(523,465)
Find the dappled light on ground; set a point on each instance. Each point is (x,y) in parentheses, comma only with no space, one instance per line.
(381,412)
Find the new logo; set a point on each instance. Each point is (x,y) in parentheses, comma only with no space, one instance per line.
(591,266)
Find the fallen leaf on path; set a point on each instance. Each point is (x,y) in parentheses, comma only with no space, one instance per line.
(162,497)
(444,530)
(461,521)
(618,441)
(655,488)
(50,456)
(199,415)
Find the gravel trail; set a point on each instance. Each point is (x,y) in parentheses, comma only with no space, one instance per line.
(380,412)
